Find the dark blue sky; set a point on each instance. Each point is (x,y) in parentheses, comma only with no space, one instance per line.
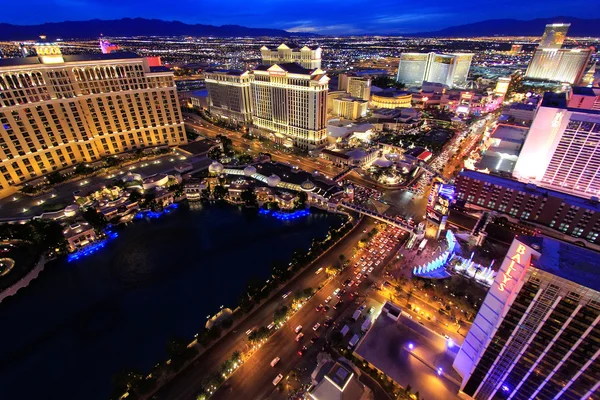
(321,16)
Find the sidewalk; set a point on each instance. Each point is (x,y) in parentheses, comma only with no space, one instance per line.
(277,291)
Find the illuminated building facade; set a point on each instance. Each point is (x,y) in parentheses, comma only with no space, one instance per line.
(308,57)
(229,95)
(359,87)
(349,108)
(59,110)
(562,213)
(516,49)
(562,149)
(447,69)
(537,333)
(289,104)
(391,99)
(554,36)
(559,65)
(502,86)
(440,198)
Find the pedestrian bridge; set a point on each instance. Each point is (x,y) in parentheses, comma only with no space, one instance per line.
(343,174)
(380,217)
(433,172)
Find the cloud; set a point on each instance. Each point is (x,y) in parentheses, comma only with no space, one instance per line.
(344,29)
(394,19)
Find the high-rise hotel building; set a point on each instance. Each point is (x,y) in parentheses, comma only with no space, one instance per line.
(553,63)
(308,57)
(554,36)
(537,333)
(559,65)
(289,104)
(58,110)
(229,95)
(562,149)
(448,69)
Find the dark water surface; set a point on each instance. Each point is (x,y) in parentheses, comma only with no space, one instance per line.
(73,328)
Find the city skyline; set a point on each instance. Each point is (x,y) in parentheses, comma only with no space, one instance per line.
(388,18)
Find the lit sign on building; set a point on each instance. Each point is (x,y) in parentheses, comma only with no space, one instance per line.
(507,275)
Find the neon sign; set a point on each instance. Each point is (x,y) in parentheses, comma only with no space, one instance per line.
(507,275)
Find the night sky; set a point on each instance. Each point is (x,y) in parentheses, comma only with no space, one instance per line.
(321,16)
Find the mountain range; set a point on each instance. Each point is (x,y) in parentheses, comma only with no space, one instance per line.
(130,27)
(155,27)
(513,27)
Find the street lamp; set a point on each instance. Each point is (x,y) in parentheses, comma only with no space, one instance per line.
(411,346)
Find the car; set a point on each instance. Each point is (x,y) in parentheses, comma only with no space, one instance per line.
(370,269)
(271,325)
(275,361)
(446,337)
(371,310)
(298,329)
(299,337)
(316,327)
(346,282)
(351,284)
(302,351)
(328,299)
(277,379)
(319,271)
(358,276)
(328,322)
(338,304)
(285,296)
(341,293)
(314,339)
(336,291)
(325,308)
(319,307)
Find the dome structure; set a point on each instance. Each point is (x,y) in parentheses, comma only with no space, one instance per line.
(249,170)
(71,210)
(215,168)
(307,186)
(273,180)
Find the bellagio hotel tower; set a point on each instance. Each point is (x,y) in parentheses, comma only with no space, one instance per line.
(59,110)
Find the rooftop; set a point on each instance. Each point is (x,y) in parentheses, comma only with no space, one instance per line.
(583,90)
(294,68)
(529,188)
(340,383)
(233,72)
(568,261)
(33,60)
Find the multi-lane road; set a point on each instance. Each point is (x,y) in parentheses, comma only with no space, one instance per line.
(255,147)
(254,379)
(186,385)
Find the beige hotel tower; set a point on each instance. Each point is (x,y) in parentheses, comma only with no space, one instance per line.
(59,110)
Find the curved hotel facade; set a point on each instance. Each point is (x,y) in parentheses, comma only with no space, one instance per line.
(59,110)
